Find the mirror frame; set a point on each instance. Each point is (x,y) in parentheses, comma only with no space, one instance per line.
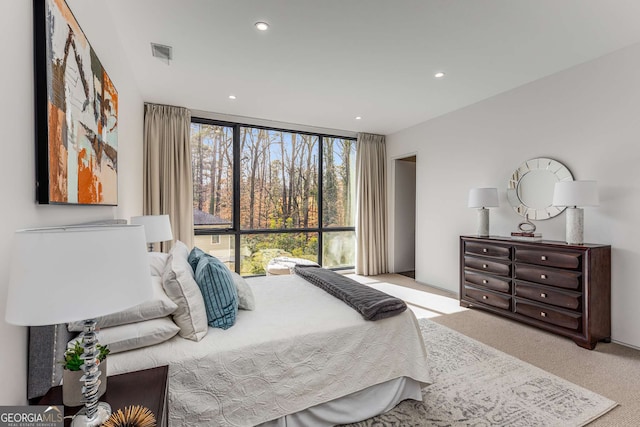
(560,173)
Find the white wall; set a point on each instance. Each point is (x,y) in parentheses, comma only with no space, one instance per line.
(587,117)
(404,248)
(17,162)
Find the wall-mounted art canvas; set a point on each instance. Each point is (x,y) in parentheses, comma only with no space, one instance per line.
(76,113)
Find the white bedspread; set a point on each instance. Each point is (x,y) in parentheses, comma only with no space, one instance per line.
(300,347)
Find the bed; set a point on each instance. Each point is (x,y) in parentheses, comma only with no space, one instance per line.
(302,357)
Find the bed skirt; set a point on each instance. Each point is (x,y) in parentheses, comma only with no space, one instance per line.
(354,407)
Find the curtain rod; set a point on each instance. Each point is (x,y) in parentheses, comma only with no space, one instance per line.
(166,105)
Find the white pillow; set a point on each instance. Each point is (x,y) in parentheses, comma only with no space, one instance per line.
(157,261)
(179,284)
(159,306)
(135,335)
(246,301)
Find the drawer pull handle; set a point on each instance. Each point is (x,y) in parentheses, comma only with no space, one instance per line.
(543,258)
(543,314)
(485,297)
(543,276)
(484,266)
(485,250)
(485,281)
(543,295)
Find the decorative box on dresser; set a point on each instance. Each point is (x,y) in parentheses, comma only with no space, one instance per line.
(565,289)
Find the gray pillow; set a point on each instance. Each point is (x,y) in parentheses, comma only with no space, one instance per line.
(246,301)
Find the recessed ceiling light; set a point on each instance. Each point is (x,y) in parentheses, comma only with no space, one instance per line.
(439,75)
(358,118)
(262,26)
(232,97)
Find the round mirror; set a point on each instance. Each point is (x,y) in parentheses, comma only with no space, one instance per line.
(530,189)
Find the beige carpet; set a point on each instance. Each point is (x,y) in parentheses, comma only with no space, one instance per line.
(611,370)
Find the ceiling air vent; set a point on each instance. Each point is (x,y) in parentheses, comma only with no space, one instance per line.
(162,52)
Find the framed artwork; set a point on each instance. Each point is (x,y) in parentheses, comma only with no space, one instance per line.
(76,113)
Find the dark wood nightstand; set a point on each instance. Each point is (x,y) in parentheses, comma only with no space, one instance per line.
(146,388)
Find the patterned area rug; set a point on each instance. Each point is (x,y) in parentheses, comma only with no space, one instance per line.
(477,385)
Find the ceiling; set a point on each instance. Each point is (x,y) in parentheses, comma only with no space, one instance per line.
(324,62)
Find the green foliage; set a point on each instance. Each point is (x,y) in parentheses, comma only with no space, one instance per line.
(265,247)
(73,356)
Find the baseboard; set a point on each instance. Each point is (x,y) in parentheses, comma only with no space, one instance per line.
(624,344)
(441,289)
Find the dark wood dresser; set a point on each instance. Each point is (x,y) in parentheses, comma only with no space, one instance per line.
(565,289)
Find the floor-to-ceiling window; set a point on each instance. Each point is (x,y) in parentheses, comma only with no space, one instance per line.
(260,193)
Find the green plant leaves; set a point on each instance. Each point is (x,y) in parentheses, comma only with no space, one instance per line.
(73,356)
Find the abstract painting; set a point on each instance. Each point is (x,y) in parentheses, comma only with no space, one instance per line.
(76,113)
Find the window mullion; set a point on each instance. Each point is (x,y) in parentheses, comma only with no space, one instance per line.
(320,198)
(236,195)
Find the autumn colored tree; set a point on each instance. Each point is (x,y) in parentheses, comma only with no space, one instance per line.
(278,180)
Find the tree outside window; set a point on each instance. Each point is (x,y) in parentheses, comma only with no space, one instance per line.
(268,192)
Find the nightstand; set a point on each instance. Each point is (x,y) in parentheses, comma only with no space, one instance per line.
(146,388)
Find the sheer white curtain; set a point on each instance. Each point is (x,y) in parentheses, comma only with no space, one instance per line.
(371,211)
(167,169)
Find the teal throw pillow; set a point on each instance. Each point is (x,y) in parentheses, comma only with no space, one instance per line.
(194,256)
(218,291)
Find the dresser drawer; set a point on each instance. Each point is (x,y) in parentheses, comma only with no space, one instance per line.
(549,296)
(491,282)
(487,249)
(483,264)
(549,315)
(547,276)
(548,257)
(561,288)
(489,298)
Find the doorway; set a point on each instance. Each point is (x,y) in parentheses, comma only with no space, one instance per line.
(405,216)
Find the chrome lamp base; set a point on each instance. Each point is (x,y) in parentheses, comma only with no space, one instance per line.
(94,413)
(103,412)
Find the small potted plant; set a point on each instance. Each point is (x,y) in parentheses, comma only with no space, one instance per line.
(72,372)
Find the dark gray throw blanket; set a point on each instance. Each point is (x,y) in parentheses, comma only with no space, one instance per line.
(371,303)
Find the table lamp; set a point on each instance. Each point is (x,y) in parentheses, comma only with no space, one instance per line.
(483,198)
(157,228)
(56,276)
(573,194)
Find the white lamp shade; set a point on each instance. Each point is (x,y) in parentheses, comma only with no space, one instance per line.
(576,193)
(61,275)
(483,198)
(157,228)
